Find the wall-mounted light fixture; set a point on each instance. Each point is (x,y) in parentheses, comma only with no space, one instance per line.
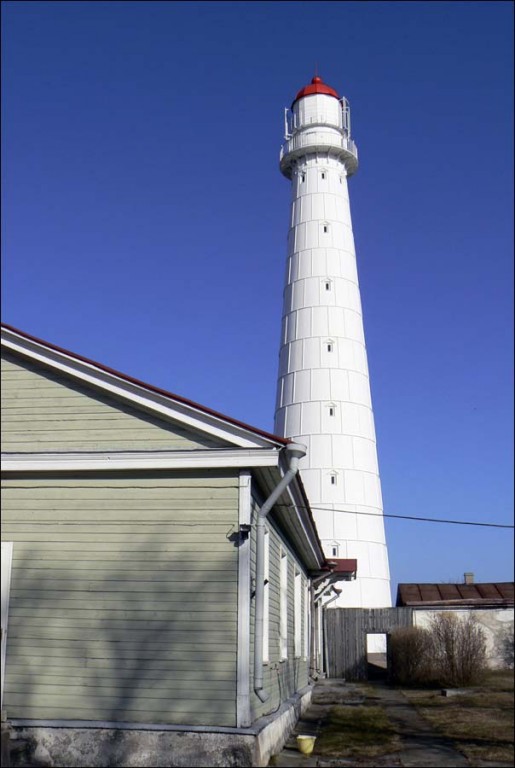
(245,529)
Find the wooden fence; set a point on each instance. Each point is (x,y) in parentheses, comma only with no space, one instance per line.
(345,637)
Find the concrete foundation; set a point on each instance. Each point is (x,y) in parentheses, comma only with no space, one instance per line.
(51,745)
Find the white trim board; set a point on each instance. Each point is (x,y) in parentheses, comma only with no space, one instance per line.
(7,556)
(243,713)
(134,460)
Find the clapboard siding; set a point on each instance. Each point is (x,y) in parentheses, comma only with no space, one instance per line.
(281,677)
(123,597)
(46,411)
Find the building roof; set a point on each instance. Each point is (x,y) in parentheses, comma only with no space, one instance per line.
(170,406)
(317,85)
(498,594)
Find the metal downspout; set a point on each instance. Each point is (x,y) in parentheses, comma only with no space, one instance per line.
(295,452)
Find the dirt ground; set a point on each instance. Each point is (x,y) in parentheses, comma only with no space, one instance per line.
(395,734)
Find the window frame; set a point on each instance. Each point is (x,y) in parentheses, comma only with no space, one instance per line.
(266,598)
(297,613)
(306,620)
(283,605)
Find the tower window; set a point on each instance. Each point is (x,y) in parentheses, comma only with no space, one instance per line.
(327,285)
(326,228)
(334,550)
(323,175)
(329,346)
(331,410)
(303,177)
(333,478)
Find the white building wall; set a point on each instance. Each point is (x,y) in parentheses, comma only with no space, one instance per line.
(494,622)
(323,395)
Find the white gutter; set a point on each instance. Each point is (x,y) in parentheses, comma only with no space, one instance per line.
(92,461)
(295,452)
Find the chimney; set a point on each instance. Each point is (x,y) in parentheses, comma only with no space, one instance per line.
(468,578)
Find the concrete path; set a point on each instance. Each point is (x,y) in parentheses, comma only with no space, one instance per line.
(421,746)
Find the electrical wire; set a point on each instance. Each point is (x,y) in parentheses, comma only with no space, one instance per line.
(405,517)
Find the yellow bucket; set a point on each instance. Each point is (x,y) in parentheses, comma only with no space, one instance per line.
(306,744)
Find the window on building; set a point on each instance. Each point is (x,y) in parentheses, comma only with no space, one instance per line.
(303,177)
(334,550)
(297,616)
(329,346)
(333,478)
(283,606)
(266,602)
(331,410)
(327,285)
(306,621)
(323,174)
(326,228)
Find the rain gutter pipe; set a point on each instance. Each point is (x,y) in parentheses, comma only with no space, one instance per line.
(295,452)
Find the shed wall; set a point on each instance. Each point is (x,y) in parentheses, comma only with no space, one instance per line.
(493,621)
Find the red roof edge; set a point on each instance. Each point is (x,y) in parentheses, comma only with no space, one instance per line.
(149,387)
(343,565)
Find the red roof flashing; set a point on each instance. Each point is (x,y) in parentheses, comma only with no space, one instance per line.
(343,565)
(317,85)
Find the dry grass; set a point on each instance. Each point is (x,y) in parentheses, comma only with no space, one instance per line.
(357,731)
(480,721)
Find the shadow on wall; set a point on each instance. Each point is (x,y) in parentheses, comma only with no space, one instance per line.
(135,634)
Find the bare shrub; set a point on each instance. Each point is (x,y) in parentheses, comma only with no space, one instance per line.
(458,649)
(409,655)
(505,646)
(451,652)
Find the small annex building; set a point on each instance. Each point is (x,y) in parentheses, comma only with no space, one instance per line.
(130,572)
(492,604)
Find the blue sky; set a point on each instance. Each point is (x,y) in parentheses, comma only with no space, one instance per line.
(145,219)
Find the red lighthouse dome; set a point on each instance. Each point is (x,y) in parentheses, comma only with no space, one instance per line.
(317,85)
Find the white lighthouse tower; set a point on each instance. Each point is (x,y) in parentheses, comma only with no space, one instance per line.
(323,396)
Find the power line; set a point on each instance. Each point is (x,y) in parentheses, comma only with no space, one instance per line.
(408,517)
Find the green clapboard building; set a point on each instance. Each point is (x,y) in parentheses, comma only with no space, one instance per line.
(130,572)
